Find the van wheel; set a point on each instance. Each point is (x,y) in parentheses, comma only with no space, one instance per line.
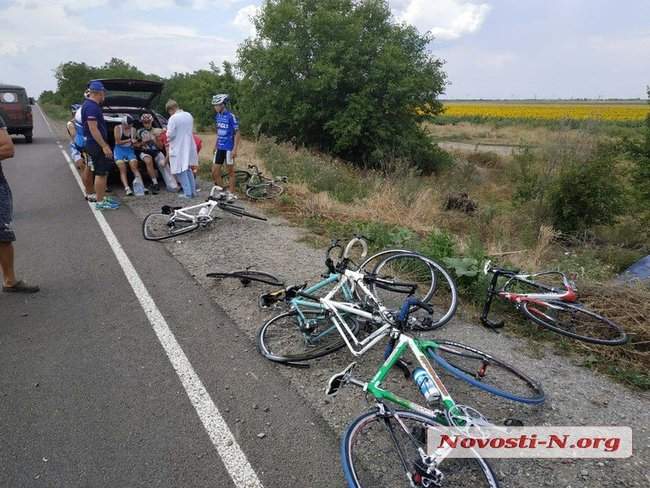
(28,137)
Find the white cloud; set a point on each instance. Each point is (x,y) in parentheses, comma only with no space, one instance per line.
(54,34)
(243,19)
(445,19)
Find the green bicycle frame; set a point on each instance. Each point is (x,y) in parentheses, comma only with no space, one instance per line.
(416,346)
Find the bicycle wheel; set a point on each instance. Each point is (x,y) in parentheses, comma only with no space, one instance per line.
(158,226)
(486,372)
(382,451)
(238,211)
(574,321)
(287,338)
(247,276)
(264,191)
(435,286)
(241,178)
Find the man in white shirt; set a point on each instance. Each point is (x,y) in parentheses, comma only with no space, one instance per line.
(182,149)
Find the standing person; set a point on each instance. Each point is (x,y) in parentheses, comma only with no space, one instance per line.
(97,148)
(7,236)
(227,144)
(182,149)
(77,151)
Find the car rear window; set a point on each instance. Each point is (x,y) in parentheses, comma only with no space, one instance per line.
(8,97)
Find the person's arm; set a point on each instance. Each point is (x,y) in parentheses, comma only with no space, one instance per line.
(6,145)
(171,129)
(94,131)
(116,135)
(72,130)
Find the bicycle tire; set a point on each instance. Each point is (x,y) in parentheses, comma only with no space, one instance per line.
(259,276)
(264,191)
(153,227)
(441,292)
(450,355)
(533,310)
(241,178)
(273,353)
(239,211)
(474,472)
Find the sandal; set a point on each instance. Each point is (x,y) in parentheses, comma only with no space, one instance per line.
(20,287)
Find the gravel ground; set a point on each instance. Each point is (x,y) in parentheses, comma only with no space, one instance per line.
(575,395)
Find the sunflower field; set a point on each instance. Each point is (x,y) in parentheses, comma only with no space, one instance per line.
(611,112)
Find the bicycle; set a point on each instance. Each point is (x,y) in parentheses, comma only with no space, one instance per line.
(554,308)
(415,460)
(174,221)
(255,184)
(316,326)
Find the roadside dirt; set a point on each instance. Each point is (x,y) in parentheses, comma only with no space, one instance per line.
(576,396)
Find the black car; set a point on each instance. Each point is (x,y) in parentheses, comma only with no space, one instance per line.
(16,110)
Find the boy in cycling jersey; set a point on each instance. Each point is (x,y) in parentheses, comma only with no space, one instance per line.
(225,151)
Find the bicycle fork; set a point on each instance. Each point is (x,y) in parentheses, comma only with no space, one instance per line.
(491,292)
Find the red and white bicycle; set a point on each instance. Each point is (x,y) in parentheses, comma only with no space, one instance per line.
(555,308)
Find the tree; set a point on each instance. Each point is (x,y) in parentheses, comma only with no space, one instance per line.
(640,154)
(343,76)
(194,91)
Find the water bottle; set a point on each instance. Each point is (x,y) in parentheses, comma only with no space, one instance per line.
(138,187)
(425,384)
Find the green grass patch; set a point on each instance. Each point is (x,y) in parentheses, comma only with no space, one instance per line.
(318,173)
(56,112)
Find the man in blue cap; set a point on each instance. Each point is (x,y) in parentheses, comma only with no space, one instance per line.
(97,148)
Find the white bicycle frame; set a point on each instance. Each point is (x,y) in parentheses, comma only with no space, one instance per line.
(216,192)
(357,347)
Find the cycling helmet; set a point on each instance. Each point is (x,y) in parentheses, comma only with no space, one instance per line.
(74,107)
(220,98)
(86,93)
(146,118)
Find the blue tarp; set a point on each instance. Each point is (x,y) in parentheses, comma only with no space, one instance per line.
(639,271)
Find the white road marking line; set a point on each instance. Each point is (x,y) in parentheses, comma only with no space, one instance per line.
(234,459)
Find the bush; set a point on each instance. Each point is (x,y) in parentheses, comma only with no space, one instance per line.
(438,245)
(343,77)
(586,194)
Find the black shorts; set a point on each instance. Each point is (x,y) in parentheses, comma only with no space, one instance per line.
(223,156)
(6,211)
(100,164)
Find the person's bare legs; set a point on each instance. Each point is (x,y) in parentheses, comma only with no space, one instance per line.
(133,164)
(7,263)
(100,187)
(121,165)
(151,170)
(86,176)
(216,175)
(231,177)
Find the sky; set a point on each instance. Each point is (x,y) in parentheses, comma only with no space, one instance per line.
(491,48)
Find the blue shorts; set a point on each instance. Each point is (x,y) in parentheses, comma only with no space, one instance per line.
(75,153)
(124,153)
(6,211)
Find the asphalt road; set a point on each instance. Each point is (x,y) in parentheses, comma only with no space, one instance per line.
(88,395)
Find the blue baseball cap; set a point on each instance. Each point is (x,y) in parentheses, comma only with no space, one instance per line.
(96,85)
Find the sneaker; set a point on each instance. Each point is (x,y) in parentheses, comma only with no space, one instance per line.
(128,192)
(111,199)
(155,188)
(91,197)
(107,205)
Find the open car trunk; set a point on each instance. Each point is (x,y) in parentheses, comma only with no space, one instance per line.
(134,94)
